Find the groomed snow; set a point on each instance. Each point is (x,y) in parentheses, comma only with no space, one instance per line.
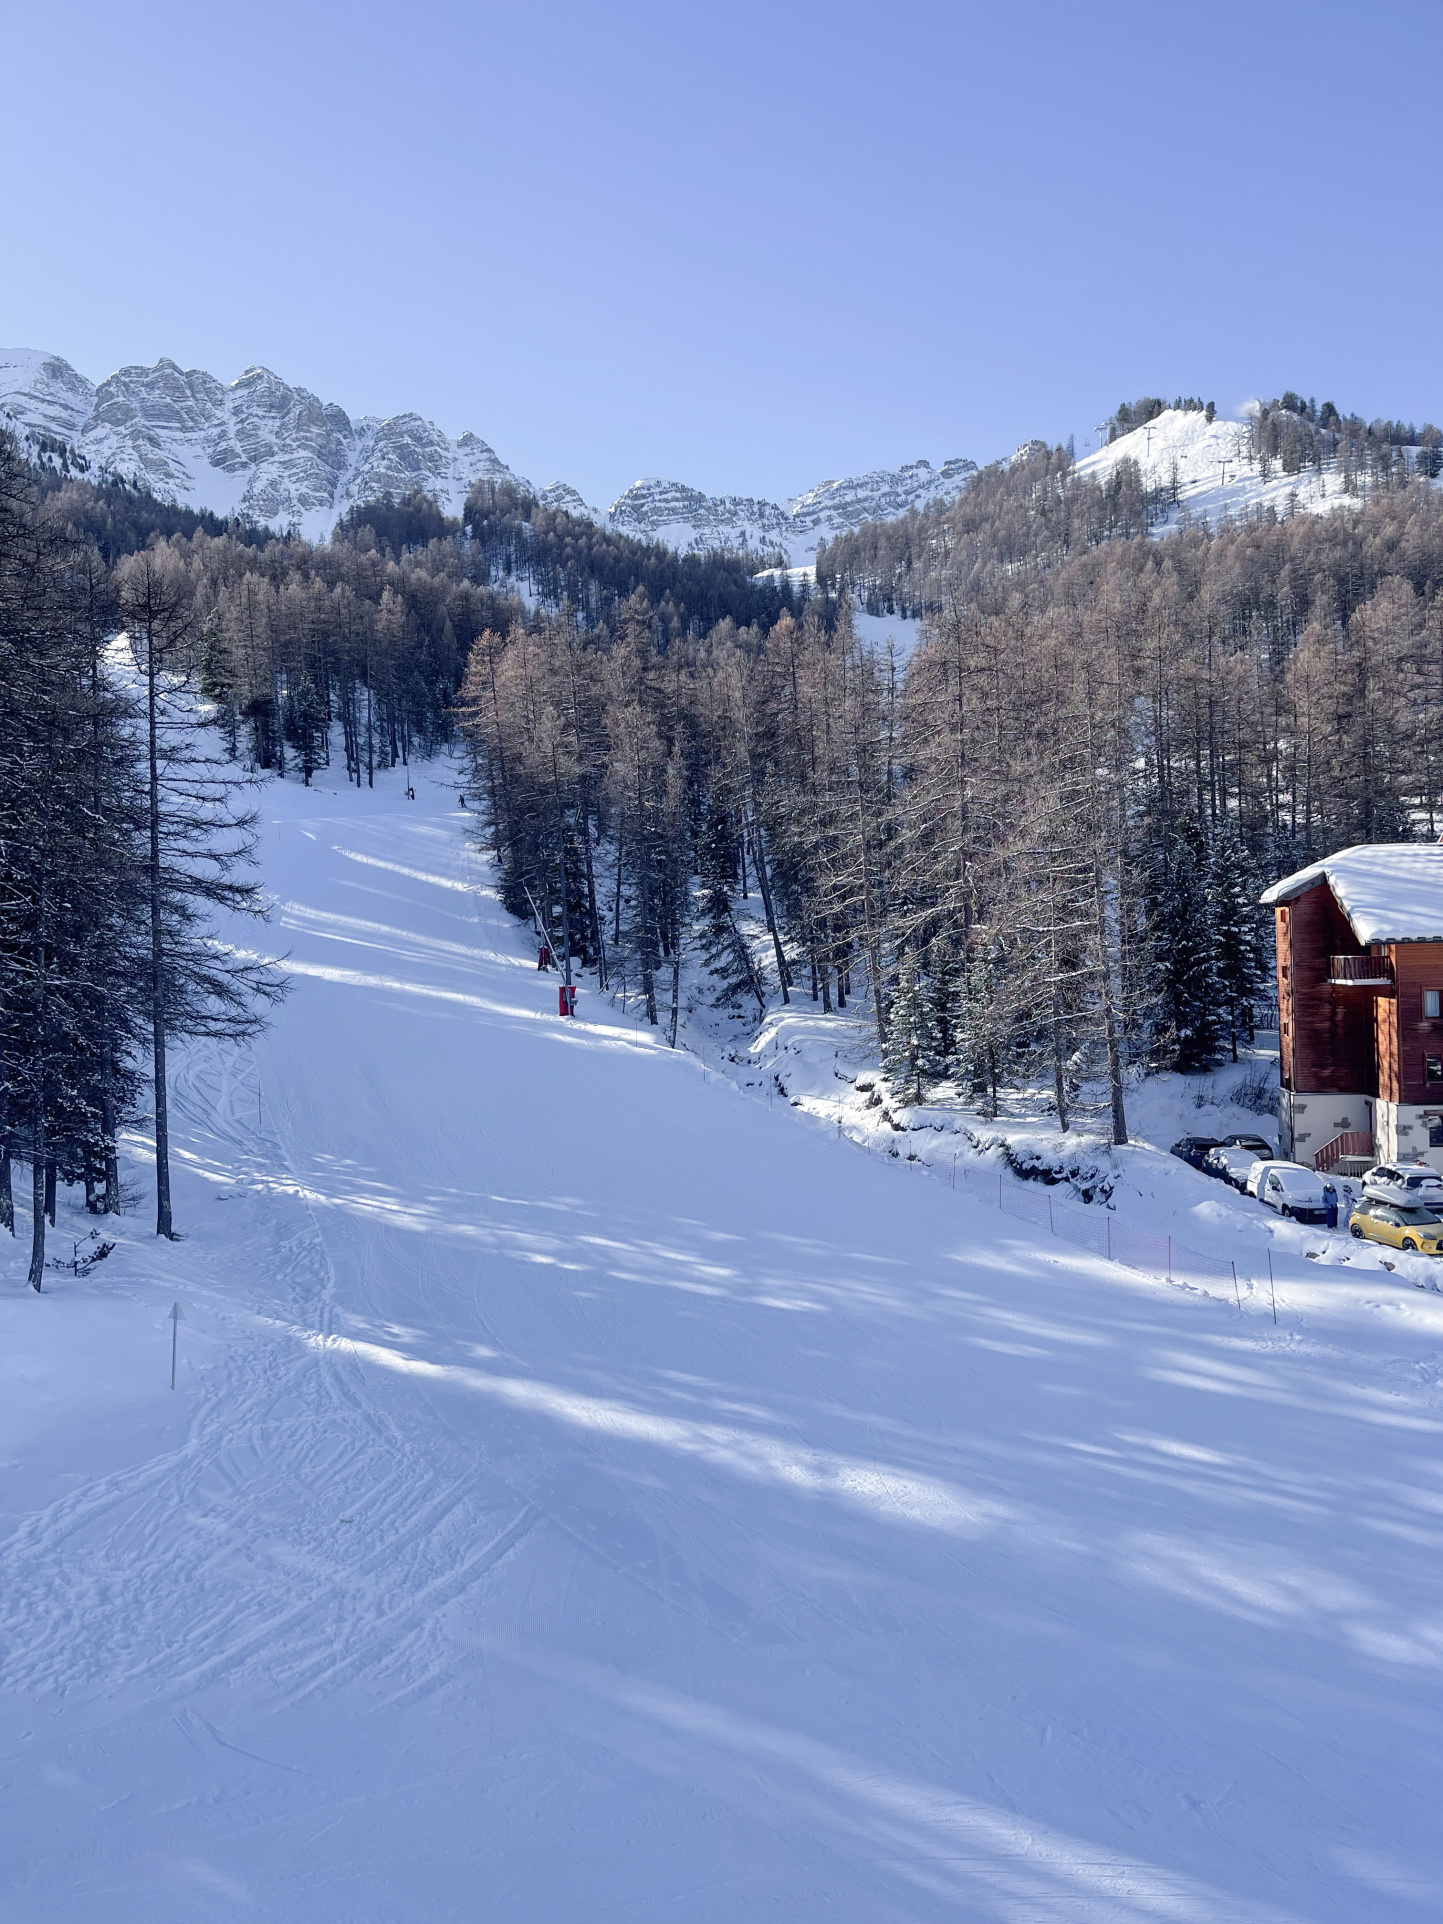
(593,1495)
(1389,891)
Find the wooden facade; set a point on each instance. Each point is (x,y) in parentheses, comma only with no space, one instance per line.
(1410,1043)
(1325,1031)
(1369,1037)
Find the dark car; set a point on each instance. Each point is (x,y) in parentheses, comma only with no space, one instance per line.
(1192,1149)
(1259,1145)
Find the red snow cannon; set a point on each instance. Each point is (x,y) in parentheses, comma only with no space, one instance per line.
(543,957)
(566,997)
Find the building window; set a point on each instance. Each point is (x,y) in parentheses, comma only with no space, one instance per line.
(1435,1132)
(1433,1068)
(1431,1004)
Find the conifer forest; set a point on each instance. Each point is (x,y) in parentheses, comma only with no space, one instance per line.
(1026,852)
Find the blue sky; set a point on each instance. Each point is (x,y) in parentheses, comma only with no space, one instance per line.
(747,246)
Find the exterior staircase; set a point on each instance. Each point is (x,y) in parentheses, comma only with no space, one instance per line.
(1350,1154)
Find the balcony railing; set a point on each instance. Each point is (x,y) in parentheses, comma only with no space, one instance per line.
(1360,971)
(1354,1145)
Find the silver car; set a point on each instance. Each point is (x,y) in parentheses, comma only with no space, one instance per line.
(1407,1184)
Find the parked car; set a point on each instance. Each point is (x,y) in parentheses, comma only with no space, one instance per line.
(1293,1191)
(1406,1183)
(1192,1149)
(1231,1162)
(1400,1225)
(1259,1145)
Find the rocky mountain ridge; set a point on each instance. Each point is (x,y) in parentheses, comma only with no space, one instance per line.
(277,454)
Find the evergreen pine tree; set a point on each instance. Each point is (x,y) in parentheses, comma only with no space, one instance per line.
(946,979)
(307,730)
(197,846)
(1184,952)
(727,953)
(1243,961)
(913,1058)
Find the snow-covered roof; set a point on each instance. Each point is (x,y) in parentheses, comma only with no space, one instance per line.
(1389,891)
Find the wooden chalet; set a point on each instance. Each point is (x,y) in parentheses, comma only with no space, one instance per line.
(1360,1007)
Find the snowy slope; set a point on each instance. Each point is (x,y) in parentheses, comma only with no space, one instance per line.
(592,1494)
(1212,470)
(278,455)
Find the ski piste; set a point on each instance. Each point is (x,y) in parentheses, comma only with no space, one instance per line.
(591,1493)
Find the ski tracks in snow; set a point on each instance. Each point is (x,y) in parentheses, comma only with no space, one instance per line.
(311,1541)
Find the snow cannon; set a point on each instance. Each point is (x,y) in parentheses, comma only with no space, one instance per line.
(566,997)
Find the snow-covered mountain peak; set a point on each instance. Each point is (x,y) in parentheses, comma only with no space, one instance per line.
(565,499)
(277,453)
(258,447)
(661,510)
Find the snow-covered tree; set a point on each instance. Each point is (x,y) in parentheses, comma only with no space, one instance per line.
(914,1058)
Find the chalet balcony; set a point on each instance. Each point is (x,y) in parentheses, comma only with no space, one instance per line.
(1360,972)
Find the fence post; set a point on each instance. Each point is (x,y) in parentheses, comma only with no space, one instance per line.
(1051,1226)
(1236,1291)
(999,1188)
(1271,1290)
(1169,1259)
(1107,1221)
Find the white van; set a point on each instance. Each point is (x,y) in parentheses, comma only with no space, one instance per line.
(1292,1190)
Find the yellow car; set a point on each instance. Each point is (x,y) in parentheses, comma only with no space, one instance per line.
(1401,1225)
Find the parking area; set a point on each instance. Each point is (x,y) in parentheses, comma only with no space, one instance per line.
(1395,1209)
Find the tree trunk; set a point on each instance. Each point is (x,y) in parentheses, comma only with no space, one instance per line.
(1109,1017)
(37,1208)
(675,993)
(649,934)
(50,1191)
(7,1199)
(759,863)
(596,934)
(1059,1079)
(565,921)
(163,1222)
(111,1205)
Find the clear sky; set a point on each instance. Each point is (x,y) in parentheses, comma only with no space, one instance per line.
(746,246)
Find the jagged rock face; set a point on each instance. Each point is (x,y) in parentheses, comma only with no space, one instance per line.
(44,394)
(880,496)
(565,500)
(656,510)
(277,454)
(668,511)
(259,448)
